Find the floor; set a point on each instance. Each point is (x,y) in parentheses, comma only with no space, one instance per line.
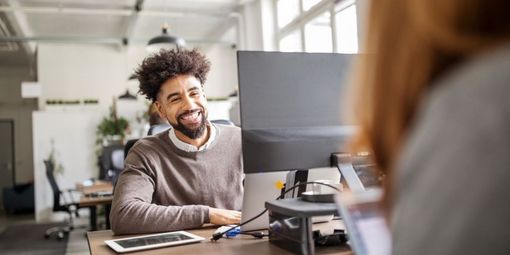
(77,244)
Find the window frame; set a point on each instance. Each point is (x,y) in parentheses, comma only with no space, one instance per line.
(304,17)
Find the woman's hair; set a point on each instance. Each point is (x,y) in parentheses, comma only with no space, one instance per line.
(167,64)
(413,43)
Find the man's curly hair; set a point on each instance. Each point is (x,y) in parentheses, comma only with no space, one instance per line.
(167,64)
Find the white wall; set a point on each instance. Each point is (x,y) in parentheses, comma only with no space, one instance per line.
(222,79)
(75,72)
(73,136)
(81,71)
(95,71)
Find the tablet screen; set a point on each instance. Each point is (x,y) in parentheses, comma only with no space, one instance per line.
(151,240)
(366,225)
(369,229)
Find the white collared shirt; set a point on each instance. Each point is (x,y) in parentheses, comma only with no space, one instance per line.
(191,148)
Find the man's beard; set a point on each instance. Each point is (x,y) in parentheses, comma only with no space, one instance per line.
(192,133)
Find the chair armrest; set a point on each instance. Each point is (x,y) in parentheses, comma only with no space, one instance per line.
(72,190)
(69,193)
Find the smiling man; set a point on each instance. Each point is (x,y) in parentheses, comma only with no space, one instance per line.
(192,173)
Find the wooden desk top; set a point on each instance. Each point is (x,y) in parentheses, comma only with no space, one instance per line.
(245,245)
(92,201)
(96,187)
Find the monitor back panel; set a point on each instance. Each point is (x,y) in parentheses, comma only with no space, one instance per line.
(292,108)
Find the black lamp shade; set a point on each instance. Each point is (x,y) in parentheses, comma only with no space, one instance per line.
(127,96)
(165,41)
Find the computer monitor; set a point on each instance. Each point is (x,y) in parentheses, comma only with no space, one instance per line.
(292,109)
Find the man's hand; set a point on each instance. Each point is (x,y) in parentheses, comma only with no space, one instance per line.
(224,217)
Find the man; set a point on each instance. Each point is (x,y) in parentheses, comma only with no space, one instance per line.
(188,175)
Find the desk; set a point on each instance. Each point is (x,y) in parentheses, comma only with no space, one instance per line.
(97,186)
(92,202)
(245,245)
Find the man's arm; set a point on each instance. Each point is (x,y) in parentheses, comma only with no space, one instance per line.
(132,208)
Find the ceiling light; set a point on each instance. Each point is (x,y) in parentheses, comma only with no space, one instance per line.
(127,96)
(164,41)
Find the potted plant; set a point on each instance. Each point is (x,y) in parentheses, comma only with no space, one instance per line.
(112,128)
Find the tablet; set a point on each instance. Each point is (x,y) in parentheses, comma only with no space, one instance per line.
(365,222)
(152,241)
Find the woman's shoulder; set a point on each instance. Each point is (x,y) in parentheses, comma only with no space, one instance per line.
(482,79)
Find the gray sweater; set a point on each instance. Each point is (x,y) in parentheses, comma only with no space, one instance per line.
(452,194)
(163,188)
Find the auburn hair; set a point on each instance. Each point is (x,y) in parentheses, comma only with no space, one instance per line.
(413,43)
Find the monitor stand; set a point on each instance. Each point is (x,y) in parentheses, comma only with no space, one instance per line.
(290,223)
(291,218)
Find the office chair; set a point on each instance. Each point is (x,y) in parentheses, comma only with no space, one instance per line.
(61,204)
(158,128)
(223,122)
(111,162)
(128,146)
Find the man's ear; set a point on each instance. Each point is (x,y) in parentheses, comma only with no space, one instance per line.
(161,109)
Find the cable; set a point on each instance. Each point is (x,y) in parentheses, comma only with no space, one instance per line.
(219,235)
(258,234)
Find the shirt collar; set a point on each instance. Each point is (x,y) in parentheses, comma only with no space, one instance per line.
(191,148)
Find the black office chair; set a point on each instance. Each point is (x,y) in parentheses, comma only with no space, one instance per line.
(223,122)
(128,146)
(111,162)
(62,202)
(158,128)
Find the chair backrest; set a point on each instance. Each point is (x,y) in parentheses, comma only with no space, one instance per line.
(117,158)
(111,161)
(50,168)
(158,128)
(128,146)
(223,121)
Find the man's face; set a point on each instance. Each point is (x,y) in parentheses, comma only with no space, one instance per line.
(182,102)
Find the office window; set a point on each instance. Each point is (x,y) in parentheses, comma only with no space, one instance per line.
(302,29)
(291,42)
(346,30)
(308,4)
(318,37)
(287,10)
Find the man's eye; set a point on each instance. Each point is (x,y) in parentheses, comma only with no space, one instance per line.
(194,94)
(174,99)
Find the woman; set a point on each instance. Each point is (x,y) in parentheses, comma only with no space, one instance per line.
(434,109)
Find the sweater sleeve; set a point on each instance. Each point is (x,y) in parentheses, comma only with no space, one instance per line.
(132,209)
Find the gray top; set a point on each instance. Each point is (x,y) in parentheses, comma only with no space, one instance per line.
(452,190)
(163,188)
